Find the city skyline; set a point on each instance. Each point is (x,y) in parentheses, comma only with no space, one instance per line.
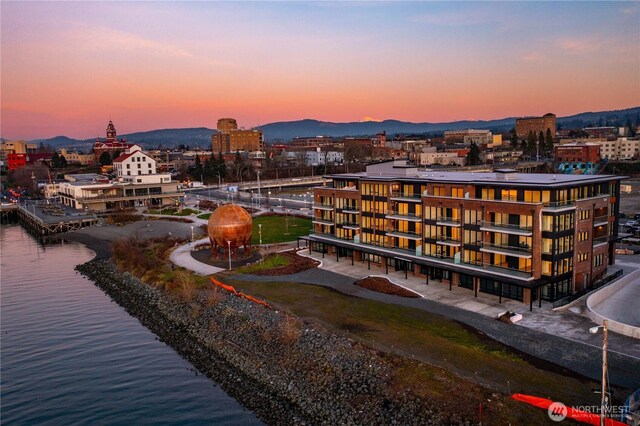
(67,67)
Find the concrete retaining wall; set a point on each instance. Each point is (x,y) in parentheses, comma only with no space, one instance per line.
(596,298)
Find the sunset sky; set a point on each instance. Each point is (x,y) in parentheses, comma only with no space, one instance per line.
(67,66)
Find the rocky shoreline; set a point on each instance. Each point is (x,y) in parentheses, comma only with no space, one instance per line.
(285,371)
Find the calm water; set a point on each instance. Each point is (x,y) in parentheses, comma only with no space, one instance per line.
(71,356)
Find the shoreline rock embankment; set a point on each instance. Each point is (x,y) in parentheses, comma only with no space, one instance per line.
(285,371)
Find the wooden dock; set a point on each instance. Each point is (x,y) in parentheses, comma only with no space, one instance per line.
(42,218)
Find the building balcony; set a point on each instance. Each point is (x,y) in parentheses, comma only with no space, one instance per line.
(525,272)
(323,206)
(523,251)
(405,234)
(440,256)
(601,220)
(447,241)
(506,228)
(447,221)
(600,240)
(320,221)
(412,198)
(411,217)
(349,225)
(558,205)
(349,210)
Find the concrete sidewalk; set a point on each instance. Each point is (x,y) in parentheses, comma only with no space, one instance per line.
(181,256)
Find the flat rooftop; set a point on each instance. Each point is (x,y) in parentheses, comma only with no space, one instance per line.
(502,179)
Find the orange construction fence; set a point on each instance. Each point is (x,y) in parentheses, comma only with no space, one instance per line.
(232,290)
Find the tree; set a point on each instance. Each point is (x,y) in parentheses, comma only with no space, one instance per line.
(222,165)
(473,156)
(105,159)
(116,154)
(514,138)
(548,144)
(55,160)
(196,171)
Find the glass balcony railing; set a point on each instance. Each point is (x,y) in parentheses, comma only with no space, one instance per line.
(601,219)
(405,234)
(523,248)
(349,224)
(561,203)
(447,220)
(447,239)
(599,240)
(489,224)
(440,256)
(323,206)
(407,196)
(403,215)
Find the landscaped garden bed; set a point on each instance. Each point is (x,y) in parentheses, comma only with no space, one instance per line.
(383,285)
(284,263)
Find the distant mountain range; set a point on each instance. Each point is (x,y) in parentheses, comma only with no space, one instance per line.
(287,130)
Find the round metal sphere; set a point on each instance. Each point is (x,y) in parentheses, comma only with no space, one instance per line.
(230,222)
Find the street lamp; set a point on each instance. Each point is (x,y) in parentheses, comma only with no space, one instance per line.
(192,238)
(603,401)
(260,232)
(229,244)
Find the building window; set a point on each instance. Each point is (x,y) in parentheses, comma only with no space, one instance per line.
(457,192)
(597,260)
(583,236)
(582,257)
(584,214)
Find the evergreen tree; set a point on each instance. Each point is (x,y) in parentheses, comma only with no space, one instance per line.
(222,165)
(55,161)
(63,162)
(116,154)
(548,144)
(473,156)
(206,169)
(105,159)
(196,171)
(514,139)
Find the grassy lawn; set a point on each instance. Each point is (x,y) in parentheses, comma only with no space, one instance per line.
(279,229)
(173,212)
(270,262)
(425,337)
(204,216)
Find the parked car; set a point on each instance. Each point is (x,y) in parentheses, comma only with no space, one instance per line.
(622,215)
(637,216)
(631,223)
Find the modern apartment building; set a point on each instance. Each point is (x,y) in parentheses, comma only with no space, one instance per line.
(536,125)
(528,237)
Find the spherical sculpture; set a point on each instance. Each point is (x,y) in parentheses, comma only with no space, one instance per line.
(230,226)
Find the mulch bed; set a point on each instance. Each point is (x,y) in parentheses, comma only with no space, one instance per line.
(296,264)
(383,285)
